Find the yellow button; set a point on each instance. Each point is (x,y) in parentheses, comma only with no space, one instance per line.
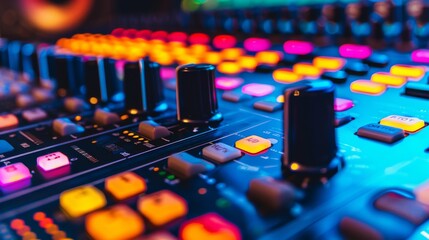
(269,57)
(367,87)
(232,53)
(212,58)
(410,124)
(284,75)
(125,185)
(388,79)
(247,62)
(307,69)
(253,144)
(117,222)
(8,121)
(413,72)
(198,49)
(82,200)
(229,68)
(162,207)
(329,63)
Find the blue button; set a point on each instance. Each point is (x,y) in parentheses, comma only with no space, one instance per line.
(5,146)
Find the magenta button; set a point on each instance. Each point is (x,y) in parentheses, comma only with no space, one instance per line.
(341,104)
(298,47)
(257,44)
(228,83)
(52,161)
(257,90)
(420,56)
(355,51)
(224,41)
(168,73)
(16,174)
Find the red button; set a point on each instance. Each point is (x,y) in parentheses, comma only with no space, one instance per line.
(209,226)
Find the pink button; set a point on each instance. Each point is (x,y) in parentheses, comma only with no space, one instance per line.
(52,161)
(257,90)
(168,73)
(228,83)
(420,56)
(355,51)
(341,104)
(177,37)
(257,44)
(14,174)
(298,47)
(199,38)
(161,35)
(224,41)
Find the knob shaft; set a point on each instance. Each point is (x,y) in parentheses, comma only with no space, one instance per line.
(196,94)
(311,147)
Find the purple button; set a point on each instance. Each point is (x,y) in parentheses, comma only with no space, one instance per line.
(341,104)
(228,83)
(420,56)
(257,90)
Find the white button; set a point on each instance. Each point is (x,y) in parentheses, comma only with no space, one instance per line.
(221,153)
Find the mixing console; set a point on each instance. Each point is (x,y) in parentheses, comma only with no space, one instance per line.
(142,134)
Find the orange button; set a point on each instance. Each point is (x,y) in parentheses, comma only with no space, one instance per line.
(328,63)
(8,121)
(82,200)
(412,72)
(253,144)
(229,68)
(212,58)
(162,207)
(125,185)
(209,226)
(232,53)
(307,69)
(284,75)
(247,62)
(269,57)
(117,222)
(388,79)
(367,87)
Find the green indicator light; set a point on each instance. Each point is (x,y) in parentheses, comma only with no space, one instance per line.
(222,203)
(162,173)
(171,177)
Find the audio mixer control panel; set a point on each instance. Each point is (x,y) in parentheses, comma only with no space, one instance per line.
(143,134)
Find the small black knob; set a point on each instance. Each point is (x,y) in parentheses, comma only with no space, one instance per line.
(143,87)
(95,84)
(310,147)
(196,94)
(62,68)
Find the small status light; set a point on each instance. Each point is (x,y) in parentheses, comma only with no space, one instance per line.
(133,111)
(228,83)
(124,117)
(388,79)
(125,132)
(257,44)
(199,38)
(93,100)
(355,51)
(78,118)
(224,41)
(156,169)
(280,99)
(294,166)
(298,47)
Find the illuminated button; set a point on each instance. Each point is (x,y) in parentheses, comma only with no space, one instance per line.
(232,53)
(117,222)
(355,51)
(5,147)
(253,144)
(159,35)
(198,49)
(284,75)
(125,185)
(420,56)
(212,58)
(33,115)
(307,69)
(186,166)
(298,47)
(221,152)
(341,104)
(104,117)
(153,130)
(224,41)
(329,63)
(247,62)
(162,207)
(257,44)
(367,87)
(8,121)
(410,124)
(64,127)
(388,79)
(257,89)
(268,57)
(228,83)
(167,73)
(81,200)
(209,226)
(52,161)
(159,236)
(412,72)
(229,68)
(199,38)
(177,37)
(14,174)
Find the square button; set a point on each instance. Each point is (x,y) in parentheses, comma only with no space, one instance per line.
(8,121)
(14,173)
(125,185)
(253,144)
(162,207)
(221,152)
(34,115)
(81,200)
(5,146)
(52,161)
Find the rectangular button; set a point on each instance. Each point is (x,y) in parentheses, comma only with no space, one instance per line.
(13,174)
(267,106)
(52,161)
(328,63)
(417,90)
(34,115)
(125,185)
(410,124)
(221,152)
(367,87)
(253,144)
(381,133)
(8,121)
(5,146)
(186,166)
(412,72)
(388,79)
(64,127)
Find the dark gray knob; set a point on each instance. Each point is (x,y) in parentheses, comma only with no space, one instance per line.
(196,94)
(310,147)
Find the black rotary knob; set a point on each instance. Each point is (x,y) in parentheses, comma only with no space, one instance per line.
(143,87)
(310,147)
(95,83)
(196,94)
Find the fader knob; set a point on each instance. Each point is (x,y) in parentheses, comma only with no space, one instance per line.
(143,87)
(310,148)
(196,94)
(62,69)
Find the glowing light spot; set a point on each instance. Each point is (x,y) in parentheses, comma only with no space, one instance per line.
(199,38)
(257,44)
(228,83)
(224,41)
(93,100)
(355,51)
(298,47)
